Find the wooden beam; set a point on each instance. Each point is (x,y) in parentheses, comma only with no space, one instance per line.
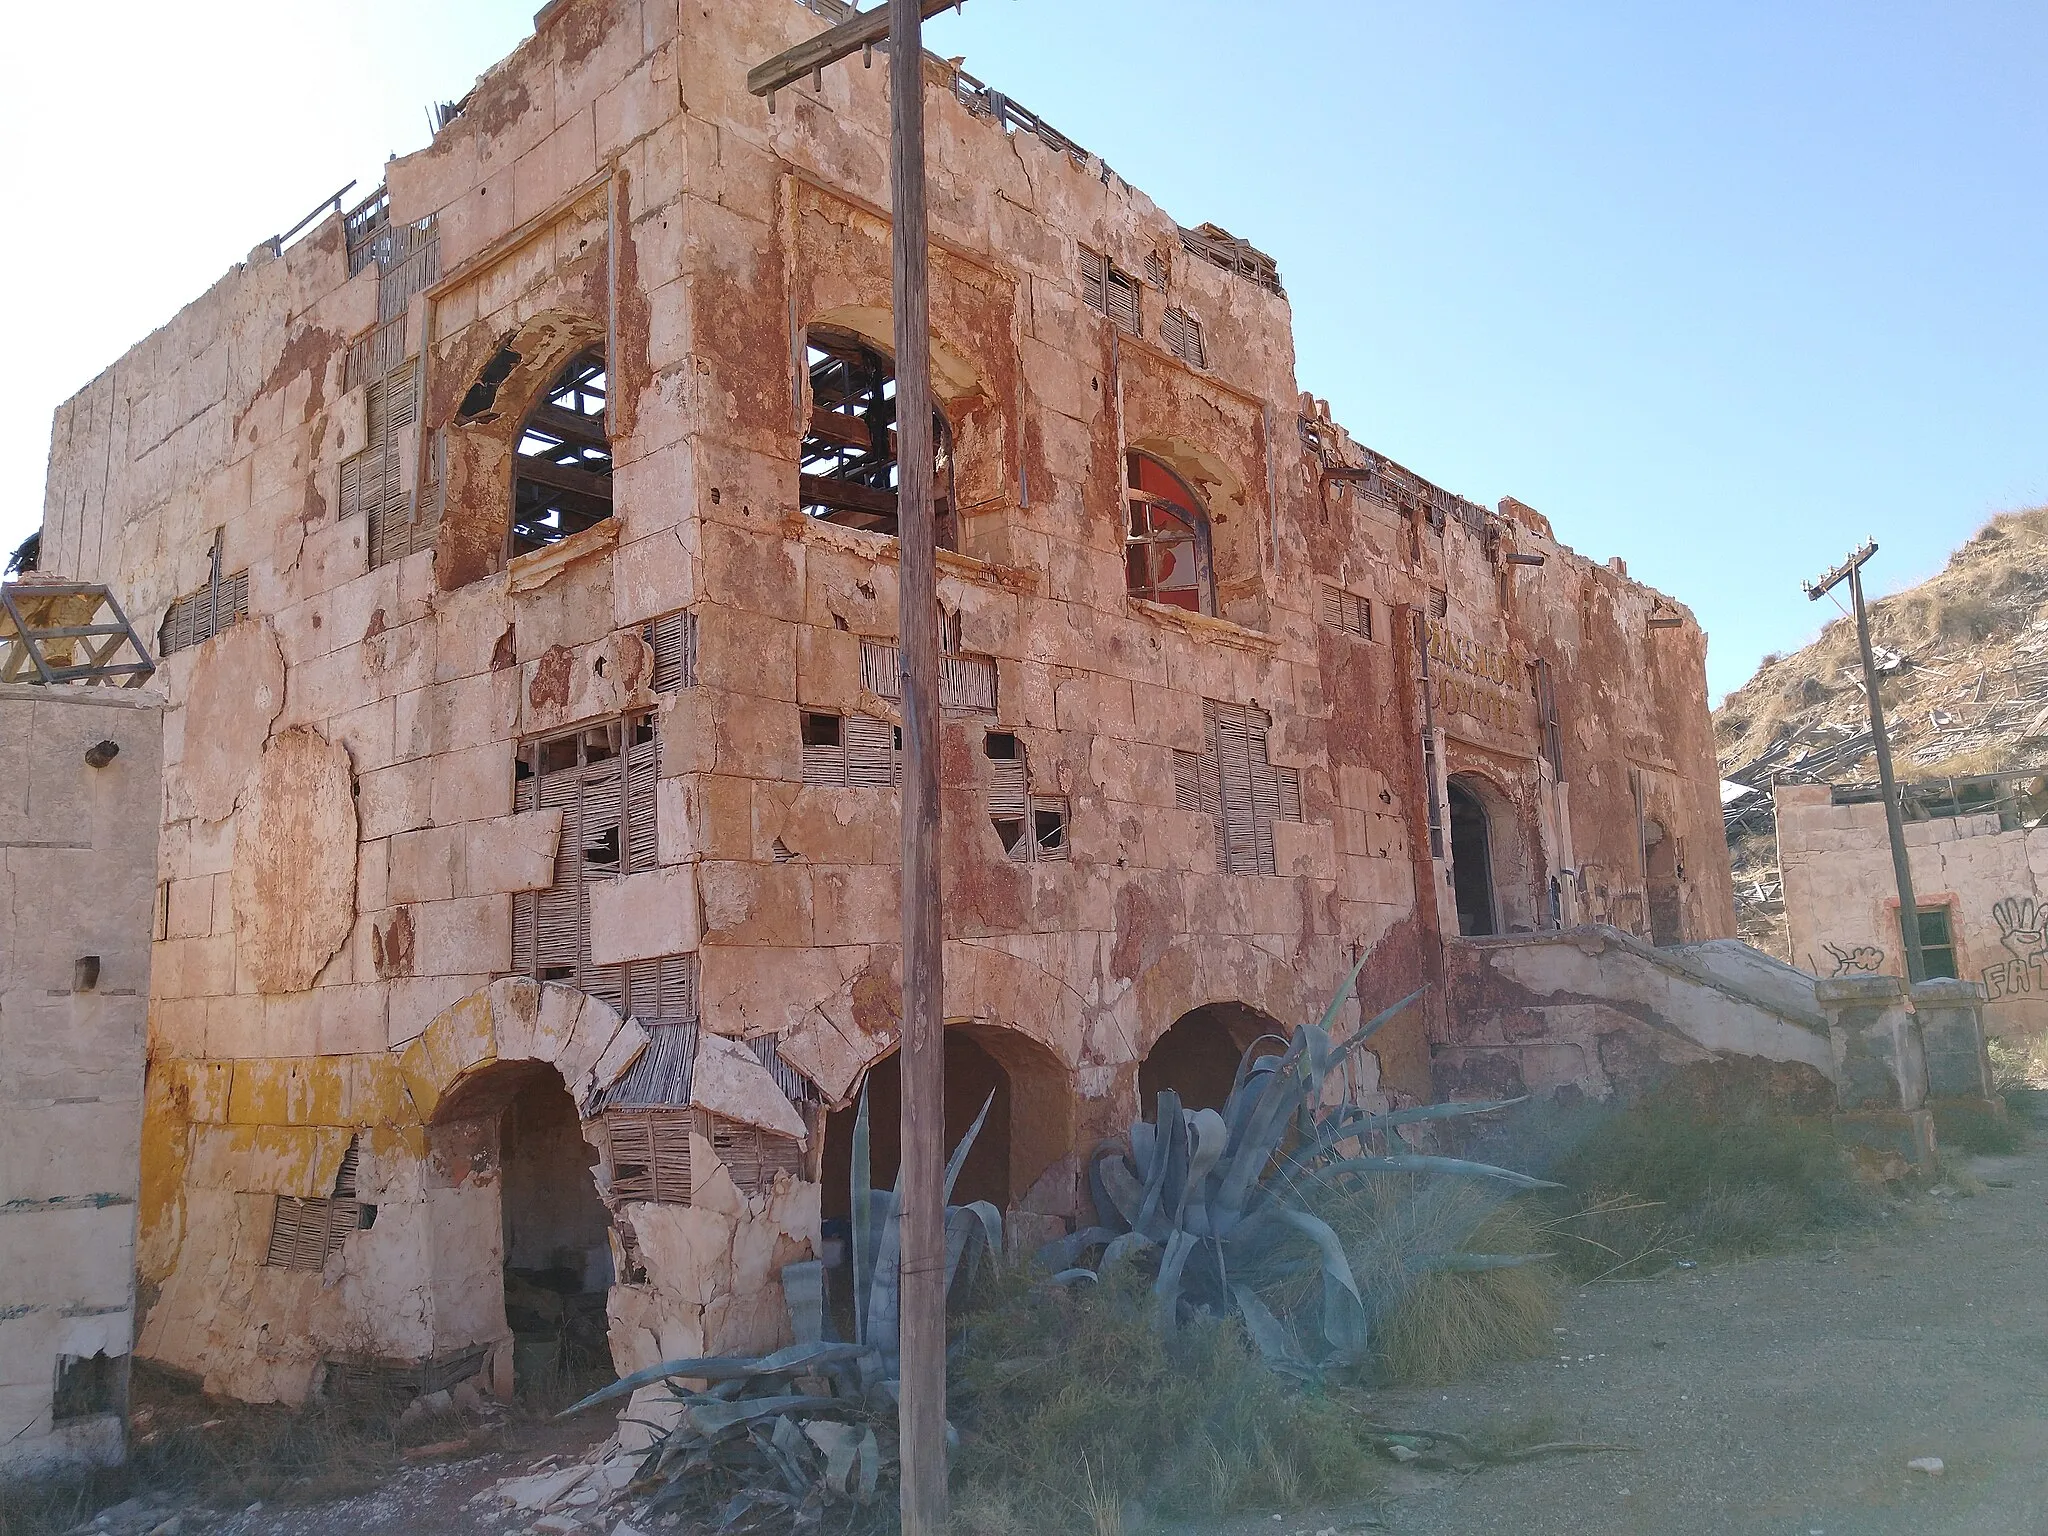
(562,477)
(844,495)
(838,427)
(568,426)
(862,30)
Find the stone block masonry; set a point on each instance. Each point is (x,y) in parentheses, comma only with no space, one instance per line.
(78,848)
(558,486)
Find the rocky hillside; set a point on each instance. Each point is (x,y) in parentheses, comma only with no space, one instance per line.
(1964,658)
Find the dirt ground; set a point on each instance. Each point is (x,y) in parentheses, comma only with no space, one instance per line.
(1784,1395)
(1781,1395)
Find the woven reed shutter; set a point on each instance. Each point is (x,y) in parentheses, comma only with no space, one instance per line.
(649,1150)
(873,752)
(825,761)
(673,639)
(1006,788)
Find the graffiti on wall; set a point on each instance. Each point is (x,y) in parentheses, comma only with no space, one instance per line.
(2020,922)
(1861,960)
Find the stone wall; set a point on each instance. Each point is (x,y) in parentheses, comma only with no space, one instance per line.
(1841,898)
(79,845)
(346,846)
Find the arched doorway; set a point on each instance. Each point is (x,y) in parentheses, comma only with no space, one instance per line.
(1472,861)
(1198,1055)
(1030,1123)
(517,1121)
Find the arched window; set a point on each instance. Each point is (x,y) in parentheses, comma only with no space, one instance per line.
(562,477)
(847,466)
(1166,543)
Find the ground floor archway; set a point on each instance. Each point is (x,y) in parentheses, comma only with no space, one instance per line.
(509,1133)
(1030,1124)
(1197,1057)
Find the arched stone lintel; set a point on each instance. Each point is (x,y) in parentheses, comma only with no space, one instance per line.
(516,1019)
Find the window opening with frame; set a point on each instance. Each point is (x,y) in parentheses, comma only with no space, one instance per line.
(1234,782)
(1110,291)
(1032,828)
(847,470)
(562,473)
(1166,538)
(1339,609)
(1937,944)
(856,750)
(601,777)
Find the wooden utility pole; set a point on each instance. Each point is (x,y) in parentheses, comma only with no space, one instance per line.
(922,1394)
(1851,570)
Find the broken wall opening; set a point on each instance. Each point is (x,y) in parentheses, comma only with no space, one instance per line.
(1197,1058)
(555,1264)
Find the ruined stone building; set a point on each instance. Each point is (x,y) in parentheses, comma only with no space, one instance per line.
(78,851)
(1979,857)
(520,549)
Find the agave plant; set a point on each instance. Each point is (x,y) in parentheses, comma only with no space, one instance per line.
(813,1424)
(1221,1201)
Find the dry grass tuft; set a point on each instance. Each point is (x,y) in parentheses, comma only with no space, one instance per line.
(1451,1322)
(1648,1186)
(1077,1415)
(223,1454)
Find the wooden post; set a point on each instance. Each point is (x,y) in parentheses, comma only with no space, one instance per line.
(1851,571)
(922,1402)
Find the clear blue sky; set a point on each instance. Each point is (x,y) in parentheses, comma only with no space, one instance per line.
(1721,289)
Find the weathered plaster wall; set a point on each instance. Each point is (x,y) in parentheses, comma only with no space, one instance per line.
(1841,899)
(612,181)
(1597,1012)
(78,849)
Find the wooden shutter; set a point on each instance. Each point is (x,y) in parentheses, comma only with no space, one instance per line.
(881,669)
(825,762)
(1181,334)
(967,684)
(1187,780)
(1546,717)
(1046,833)
(872,754)
(1095,281)
(673,639)
(649,1150)
(1155,270)
(1230,742)
(1007,795)
(1123,301)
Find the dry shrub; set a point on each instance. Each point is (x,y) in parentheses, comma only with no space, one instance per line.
(1450,1322)
(1665,1181)
(1077,1415)
(202,1450)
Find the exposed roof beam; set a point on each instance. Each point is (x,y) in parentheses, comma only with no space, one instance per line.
(864,29)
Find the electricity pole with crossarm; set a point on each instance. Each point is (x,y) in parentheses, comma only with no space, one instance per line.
(922,1380)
